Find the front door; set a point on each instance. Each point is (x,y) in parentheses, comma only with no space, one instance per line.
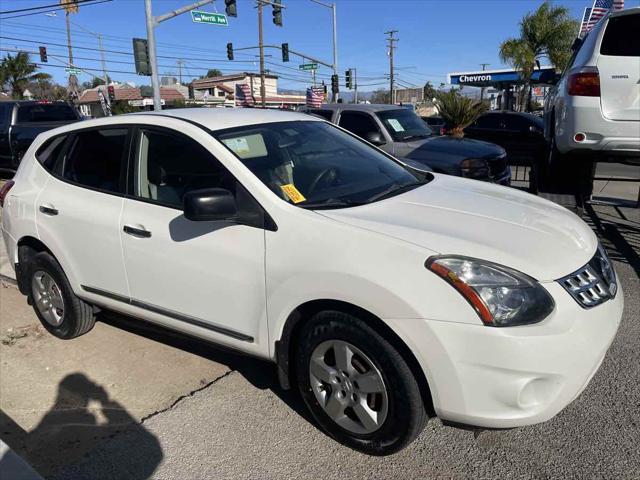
(206,277)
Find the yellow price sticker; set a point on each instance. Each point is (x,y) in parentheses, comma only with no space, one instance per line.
(293,193)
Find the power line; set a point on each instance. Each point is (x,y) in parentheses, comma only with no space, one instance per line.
(77,2)
(54,10)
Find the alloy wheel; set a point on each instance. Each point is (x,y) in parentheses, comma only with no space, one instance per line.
(47,297)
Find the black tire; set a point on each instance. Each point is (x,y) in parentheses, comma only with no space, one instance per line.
(78,317)
(406,414)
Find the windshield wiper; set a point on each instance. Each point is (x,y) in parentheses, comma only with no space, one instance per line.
(415,137)
(331,203)
(394,189)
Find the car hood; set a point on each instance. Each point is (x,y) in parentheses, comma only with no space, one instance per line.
(450,215)
(463,147)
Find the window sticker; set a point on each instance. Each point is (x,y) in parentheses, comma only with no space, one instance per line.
(293,193)
(249,146)
(395,124)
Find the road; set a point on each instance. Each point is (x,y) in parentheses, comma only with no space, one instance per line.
(148,404)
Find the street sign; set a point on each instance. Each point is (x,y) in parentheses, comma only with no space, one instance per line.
(208,17)
(308,66)
(73,70)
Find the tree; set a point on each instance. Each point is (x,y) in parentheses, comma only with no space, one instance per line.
(214,72)
(46,90)
(429,91)
(458,111)
(546,33)
(380,96)
(17,72)
(95,82)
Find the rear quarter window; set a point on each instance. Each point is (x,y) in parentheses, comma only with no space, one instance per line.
(50,151)
(46,113)
(622,37)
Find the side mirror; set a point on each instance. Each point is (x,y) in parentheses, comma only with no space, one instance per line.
(209,204)
(375,138)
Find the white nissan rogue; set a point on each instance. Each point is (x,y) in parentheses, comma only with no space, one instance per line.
(383,294)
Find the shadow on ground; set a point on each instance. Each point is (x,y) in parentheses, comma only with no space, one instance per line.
(81,418)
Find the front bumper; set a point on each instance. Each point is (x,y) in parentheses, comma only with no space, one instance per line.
(509,377)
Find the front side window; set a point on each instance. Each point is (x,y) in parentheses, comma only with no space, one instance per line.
(316,165)
(360,124)
(96,159)
(46,112)
(403,124)
(170,165)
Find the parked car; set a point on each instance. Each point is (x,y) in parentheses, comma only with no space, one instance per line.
(380,296)
(400,132)
(593,113)
(520,134)
(22,121)
(436,124)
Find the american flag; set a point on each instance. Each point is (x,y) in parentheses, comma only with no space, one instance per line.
(585,21)
(600,8)
(244,97)
(315,97)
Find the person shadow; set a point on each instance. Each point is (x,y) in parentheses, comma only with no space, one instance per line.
(82,418)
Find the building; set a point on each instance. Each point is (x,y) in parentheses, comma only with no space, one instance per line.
(409,95)
(90,106)
(220,91)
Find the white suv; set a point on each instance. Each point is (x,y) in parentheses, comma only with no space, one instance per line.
(381,294)
(595,108)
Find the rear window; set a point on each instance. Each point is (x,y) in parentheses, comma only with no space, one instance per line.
(326,114)
(621,39)
(46,113)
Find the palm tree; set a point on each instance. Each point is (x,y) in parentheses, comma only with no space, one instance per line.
(457,111)
(17,72)
(546,33)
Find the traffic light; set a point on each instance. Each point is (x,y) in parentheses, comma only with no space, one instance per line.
(111,93)
(334,84)
(347,79)
(141,56)
(230,8)
(285,52)
(43,55)
(230,51)
(277,12)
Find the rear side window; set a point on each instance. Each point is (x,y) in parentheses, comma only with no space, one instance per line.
(490,121)
(96,159)
(5,114)
(622,37)
(358,123)
(46,112)
(50,150)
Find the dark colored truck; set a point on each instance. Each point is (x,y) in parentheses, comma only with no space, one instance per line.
(22,121)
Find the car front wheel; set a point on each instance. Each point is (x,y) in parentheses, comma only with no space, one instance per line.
(357,385)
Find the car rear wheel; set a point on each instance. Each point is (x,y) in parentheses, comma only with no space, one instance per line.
(357,385)
(59,310)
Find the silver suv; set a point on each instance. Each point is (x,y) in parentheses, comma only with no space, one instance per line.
(594,110)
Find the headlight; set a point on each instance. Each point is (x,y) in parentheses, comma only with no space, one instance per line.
(474,168)
(501,296)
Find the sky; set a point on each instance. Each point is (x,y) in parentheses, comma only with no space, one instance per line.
(436,37)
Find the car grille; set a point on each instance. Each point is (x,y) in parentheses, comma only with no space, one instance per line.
(497,166)
(593,284)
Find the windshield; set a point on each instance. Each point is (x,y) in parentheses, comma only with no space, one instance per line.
(316,165)
(403,124)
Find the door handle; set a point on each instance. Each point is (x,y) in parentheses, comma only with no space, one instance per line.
(48,209)
(136,232)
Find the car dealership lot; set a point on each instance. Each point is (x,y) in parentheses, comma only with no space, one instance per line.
(210,413)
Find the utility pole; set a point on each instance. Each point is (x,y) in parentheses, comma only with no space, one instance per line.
(332,6)
(261,46)
(391,47)
(70,6)
(152,23)
(355,85)
(483,65)
(180,62)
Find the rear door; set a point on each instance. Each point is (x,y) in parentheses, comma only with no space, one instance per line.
(78,211)
(489,128)
(619,67)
